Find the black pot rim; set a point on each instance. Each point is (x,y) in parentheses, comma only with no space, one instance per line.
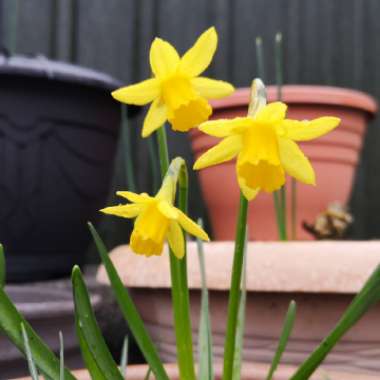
(40,66)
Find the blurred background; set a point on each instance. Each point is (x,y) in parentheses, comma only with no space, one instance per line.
(330,42)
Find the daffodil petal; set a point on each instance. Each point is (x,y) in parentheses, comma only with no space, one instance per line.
(156,116)
(125,211)
(199,56)
(134,197)
(272,112)
(308,130)
(191,227)
(226,150)
(225,127)
(139,93)
(248,193)
(212,88)
(168,210)
(164,58)
(295,162)
(176,239)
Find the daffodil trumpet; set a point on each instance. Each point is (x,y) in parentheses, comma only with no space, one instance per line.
(177,92)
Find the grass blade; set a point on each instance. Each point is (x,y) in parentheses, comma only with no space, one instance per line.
(241,318)
(10,322)
(205,354)
(367,297)
(32,367)
(61,357)
(124,357)
(2,267)
(130,312)
(147,376)
(87,356)
(88,326)
(286,331)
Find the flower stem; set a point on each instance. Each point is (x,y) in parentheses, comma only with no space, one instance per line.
(127,149)
(178,271)
(280,81)
(234,297)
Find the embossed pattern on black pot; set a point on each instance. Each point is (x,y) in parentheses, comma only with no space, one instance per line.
(58,133)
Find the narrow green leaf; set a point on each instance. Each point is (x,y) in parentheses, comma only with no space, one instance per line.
(130,312)
(147,376)
(91,332)
(87,356)
(286,331)
(124,357)
(367,297)
(238,356)
(32,367)
(2,267)
(10,322)
(61,357)
(205,354)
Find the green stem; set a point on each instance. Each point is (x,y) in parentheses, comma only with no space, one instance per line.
(178,271)
(127,149)
(280,81)
(234,297)
(293,209)
(12,26)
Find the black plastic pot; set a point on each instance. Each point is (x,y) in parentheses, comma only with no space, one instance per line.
(58,137)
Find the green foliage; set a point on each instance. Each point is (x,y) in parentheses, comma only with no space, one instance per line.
(2,267)
(89,330)
(367,297)
(205,355)
(129,311)
(44,358)
(286,331)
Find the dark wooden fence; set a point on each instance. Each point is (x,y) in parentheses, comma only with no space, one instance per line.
(331,42)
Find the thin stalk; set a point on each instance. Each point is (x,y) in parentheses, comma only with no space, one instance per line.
(279,82)
(261,74)
(293,209)
(178,271)
(234,297)
(126,147)
(12,26)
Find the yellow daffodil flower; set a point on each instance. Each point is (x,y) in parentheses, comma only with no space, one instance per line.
(265,145)
(157,220)
(177,92)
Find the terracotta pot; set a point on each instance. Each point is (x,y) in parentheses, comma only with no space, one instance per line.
(334,157)
(312,273)
(255,371)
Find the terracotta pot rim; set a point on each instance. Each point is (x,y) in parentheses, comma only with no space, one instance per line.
(279,267)
(306,94)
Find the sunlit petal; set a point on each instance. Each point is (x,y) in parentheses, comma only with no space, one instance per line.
(272,112)
(164,58)
(134,197)
(125,211)
(295,162)
(308,130)
(176,239)
(225,127)
(168,210)
(226,150)
(199,56)
(191,227)
(139,93)
(211,88)
(155,118)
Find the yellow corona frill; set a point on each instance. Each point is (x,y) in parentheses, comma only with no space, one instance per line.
(157,221)
(265,147)
(177,92)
